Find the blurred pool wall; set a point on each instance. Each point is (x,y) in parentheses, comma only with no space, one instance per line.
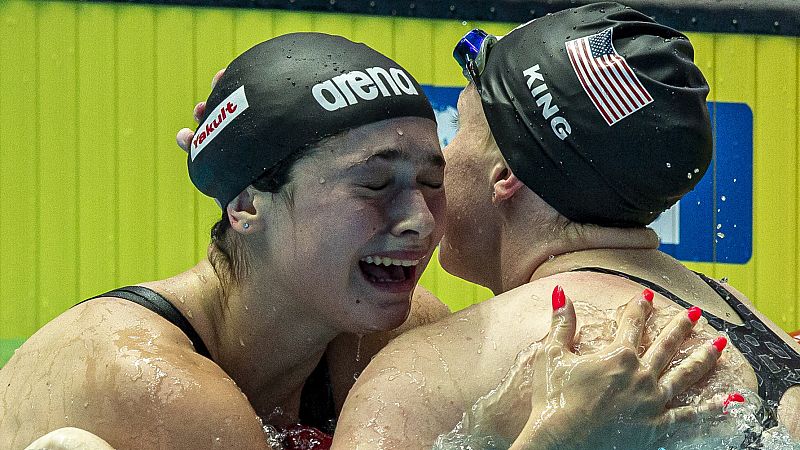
(94,193)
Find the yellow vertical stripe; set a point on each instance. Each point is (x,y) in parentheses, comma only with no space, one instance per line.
(291,22)
(57,251)
(136,144)
(377,32)
(413,48)
(252,27)
(97,132)
(775,178)
(19,175)
(445,36)
(340,24)
(174,100)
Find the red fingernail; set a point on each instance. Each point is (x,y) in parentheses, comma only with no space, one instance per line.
(734,397)
(648,295)
(558,298)
(695,313)
(720,343)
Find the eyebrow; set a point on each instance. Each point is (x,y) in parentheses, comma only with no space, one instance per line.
(393,154)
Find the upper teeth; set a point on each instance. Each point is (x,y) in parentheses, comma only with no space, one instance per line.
(378,260)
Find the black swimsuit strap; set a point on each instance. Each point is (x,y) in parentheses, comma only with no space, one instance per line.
(161,306)
(317,407)
(776,364)
(764,349)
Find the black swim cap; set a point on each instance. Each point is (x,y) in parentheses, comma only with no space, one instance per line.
(287,93)
(600,111)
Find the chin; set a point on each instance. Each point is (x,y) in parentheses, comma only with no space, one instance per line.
(390,317)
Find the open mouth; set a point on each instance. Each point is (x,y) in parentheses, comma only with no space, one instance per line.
(389,273)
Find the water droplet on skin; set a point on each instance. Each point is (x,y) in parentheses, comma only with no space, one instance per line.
(358,347)
(400,132)
(321,180)
(189,313)
(241,342)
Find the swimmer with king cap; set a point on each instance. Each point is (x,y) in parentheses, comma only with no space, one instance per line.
(576,131)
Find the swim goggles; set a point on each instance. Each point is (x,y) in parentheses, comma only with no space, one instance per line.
(470,53)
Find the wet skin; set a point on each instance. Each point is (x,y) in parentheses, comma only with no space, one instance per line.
(120,371)
(418,387)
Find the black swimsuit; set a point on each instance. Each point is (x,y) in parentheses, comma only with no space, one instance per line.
(317,408)
(776,364)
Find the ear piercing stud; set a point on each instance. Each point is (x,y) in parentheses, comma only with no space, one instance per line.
(245,225)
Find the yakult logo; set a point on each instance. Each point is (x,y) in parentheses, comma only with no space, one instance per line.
(219,118)
(341,91)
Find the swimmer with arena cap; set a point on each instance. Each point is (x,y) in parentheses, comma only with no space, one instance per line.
(586,119)
(324,157)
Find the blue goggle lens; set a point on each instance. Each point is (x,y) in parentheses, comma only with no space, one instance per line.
(468,47)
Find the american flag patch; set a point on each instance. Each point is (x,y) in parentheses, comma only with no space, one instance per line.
(606,77)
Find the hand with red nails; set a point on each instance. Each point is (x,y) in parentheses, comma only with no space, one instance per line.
(629,393)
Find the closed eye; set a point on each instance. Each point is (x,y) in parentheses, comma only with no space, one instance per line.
(377,186)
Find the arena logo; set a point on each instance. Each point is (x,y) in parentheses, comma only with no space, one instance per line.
(341,90)
(219,118)
(544,100)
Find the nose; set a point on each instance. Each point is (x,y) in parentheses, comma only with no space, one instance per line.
(412,215)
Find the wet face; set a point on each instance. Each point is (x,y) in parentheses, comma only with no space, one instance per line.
(471,228)
(365,213)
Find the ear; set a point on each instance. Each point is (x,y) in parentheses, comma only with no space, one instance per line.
(242,213)
(506,184)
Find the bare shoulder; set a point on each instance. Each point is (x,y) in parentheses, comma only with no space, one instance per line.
(119,371)
(421,383)
(425,308)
